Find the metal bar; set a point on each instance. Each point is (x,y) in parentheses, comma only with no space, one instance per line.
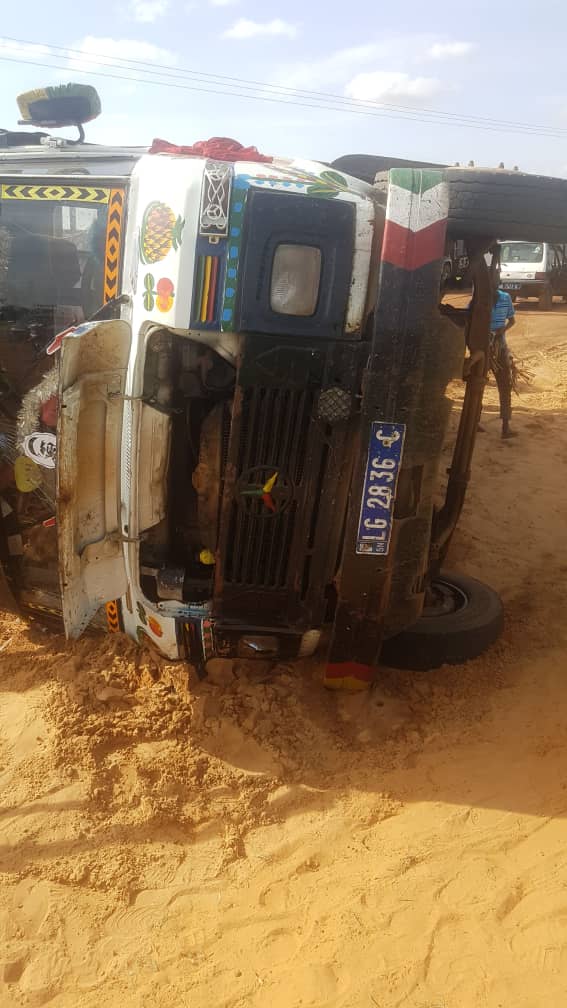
(474,375)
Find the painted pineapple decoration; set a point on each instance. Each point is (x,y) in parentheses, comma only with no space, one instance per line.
(161,231)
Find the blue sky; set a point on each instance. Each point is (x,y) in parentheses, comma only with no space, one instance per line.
(489,60)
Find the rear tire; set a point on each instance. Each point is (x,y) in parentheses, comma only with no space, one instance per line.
(443,637)
(501,204)
(488,203)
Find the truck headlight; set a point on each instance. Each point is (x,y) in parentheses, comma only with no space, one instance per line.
(295,266)
(296,278)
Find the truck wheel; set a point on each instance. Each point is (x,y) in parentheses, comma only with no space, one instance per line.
(546,299)
(501,204)
(465,619)
(489,203)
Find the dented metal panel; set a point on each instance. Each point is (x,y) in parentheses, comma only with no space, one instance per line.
(360,266)
(92,571)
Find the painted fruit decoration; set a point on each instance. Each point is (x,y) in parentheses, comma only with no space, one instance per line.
(160,295)
(154,626)
(165,292)
(160,232)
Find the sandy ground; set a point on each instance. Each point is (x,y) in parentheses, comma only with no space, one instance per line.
(251,843)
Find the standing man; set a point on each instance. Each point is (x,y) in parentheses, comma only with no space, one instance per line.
(502,319)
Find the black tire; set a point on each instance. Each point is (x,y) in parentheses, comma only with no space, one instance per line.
(501,204)
(546,300)
(449,638)
(367,166)
(488,203)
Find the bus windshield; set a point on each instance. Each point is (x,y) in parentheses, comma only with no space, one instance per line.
(52,253)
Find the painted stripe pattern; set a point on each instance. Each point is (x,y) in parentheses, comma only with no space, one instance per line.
(206,294)
(112,246)
(113,617)
(237,209)
(208,639)
(74,193)
(416,218)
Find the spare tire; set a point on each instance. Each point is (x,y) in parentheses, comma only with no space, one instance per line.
(367,166)
(484,202)
(464,618)
(506,204)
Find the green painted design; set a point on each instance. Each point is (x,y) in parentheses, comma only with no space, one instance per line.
(328,184)
(199,281)
(415,180)
(327,179)
(335,178)
(144,639)
(141,613)
(324,192)
(160,295)
(149,294)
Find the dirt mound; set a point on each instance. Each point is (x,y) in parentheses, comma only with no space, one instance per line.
(253,840)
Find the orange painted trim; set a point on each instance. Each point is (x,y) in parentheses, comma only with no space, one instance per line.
(113,617)
(112,250)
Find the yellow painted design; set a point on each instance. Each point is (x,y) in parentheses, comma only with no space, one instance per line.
(70,193)
(112,248)
(27,474)
(206,557)
(269,486)
(112,617)
(206,286)
(25,100)
(347,683)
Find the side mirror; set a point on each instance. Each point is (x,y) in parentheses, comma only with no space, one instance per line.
(55,107)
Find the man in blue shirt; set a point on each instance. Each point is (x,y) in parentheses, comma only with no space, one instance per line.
(502,319)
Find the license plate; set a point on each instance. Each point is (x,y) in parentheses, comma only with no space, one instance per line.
(385,453)
(506,285)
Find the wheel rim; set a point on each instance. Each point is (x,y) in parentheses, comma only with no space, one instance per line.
(443,599)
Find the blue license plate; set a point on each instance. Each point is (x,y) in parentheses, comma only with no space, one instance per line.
(385,453)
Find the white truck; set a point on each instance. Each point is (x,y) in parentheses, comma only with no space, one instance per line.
(533,269)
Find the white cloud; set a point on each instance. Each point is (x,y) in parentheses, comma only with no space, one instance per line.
(222,3)
(245,29)
(382,85)
(334,69)
(105,51)
(147,11)
(448,50)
